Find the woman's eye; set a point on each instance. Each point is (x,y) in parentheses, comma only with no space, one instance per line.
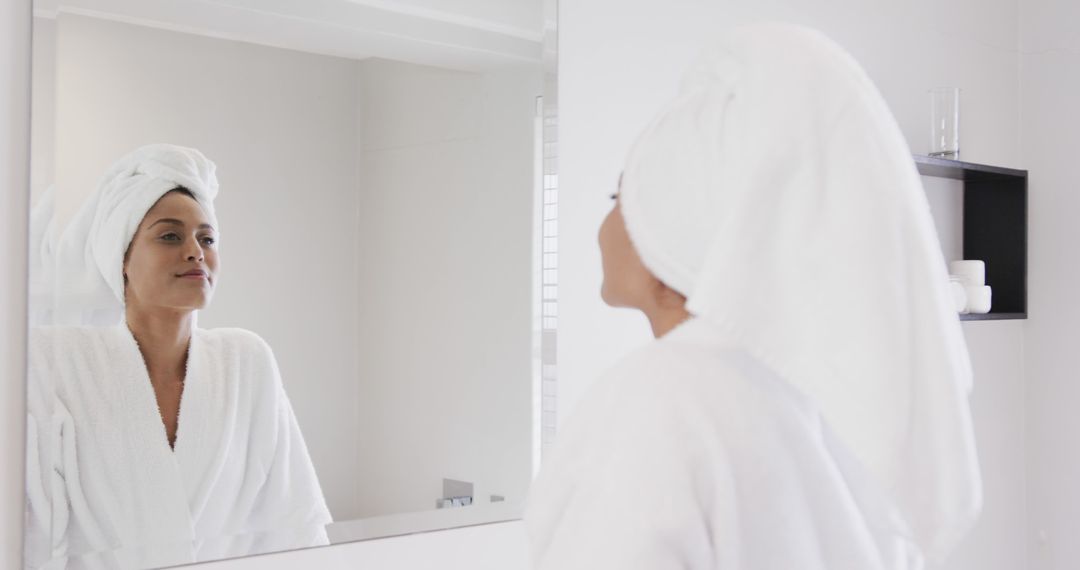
(171,236)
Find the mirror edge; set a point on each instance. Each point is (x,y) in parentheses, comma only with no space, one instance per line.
(16,24)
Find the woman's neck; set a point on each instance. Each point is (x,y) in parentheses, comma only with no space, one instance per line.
(163,338)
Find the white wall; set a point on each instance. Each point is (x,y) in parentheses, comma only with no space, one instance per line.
(1050,79)
(614,77)
(445,315)
(278,124)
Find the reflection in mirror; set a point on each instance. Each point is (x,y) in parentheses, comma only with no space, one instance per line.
(293,273)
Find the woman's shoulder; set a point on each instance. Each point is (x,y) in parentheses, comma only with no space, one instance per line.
(244,355)
(243,349)
(689,380)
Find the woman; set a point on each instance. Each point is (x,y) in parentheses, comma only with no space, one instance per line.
(805,402)
(154,442)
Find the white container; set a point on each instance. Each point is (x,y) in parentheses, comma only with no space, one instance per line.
(959,295)
(971,271)
(978,299)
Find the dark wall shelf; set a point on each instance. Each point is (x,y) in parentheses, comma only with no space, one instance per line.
(995,228)
(993,317)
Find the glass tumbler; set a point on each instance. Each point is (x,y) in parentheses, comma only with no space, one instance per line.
(945,122)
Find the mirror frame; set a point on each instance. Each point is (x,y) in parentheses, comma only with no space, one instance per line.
(16,25)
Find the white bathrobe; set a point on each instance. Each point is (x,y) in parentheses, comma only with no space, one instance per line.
(691,455)
(105,490)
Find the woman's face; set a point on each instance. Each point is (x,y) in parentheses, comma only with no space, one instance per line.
(627,283)
(172,261)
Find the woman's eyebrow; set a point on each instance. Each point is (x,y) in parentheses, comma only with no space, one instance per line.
(177,222)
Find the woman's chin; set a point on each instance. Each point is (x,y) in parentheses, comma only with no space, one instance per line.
(610,298)
(193,298)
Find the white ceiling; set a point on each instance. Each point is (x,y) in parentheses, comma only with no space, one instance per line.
(461,34)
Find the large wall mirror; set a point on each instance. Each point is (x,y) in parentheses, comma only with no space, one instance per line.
(375,354)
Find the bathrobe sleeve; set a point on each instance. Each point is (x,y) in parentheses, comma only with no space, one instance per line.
(631,487)
(290,504)
(41,544)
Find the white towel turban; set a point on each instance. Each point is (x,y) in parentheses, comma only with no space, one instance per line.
(83,272)
(777,193)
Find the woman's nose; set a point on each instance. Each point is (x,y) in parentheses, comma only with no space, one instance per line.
(195,253)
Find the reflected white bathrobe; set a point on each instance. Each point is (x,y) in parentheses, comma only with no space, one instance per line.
(105,490)
(692,455)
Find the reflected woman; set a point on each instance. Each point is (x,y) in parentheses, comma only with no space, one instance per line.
(154,442)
